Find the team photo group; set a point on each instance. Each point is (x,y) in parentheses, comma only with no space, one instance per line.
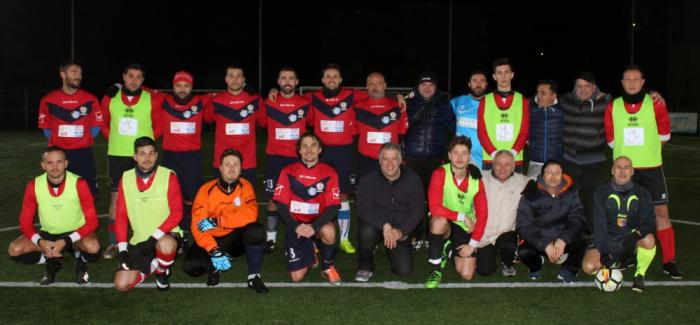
(484,181)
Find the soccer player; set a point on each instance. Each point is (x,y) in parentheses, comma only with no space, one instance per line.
(459,212)
(638,127)
(235,112)
(130,112)
(308,196)
(182,115)
(379,120)
(224,225)
(623,219)
(70,118)
(390,204)
(503,117)
(67,216)
(550,224)
(150,203)
(285,120)
(465,108)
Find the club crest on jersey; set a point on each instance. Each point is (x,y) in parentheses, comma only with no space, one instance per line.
(292,118)
(336,110)
(83,110)
(194,109)
(300,112)
(75,115)
(386,120)
(237,201)
(392,115)
(186,114)
(320,187)
(278,189)
(244,113)
(312,191)
(343,105)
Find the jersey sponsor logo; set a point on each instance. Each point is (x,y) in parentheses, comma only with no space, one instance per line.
(278,189)
(336,193)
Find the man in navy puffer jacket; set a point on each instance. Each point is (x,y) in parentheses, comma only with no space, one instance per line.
(546,127)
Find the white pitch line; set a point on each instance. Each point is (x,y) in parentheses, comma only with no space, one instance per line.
(692,223)
(395,285)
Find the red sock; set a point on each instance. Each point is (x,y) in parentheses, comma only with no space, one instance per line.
(164,261)
(139,278)
(667,239)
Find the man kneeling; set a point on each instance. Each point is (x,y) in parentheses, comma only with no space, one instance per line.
(623,223)
(224,215)
(150,202)
(67,217)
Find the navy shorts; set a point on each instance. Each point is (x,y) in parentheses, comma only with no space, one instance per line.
(654,181)
(82,163)
(141,256)
(300,251)
(248,174)
(117,166)
(458,237)
(188,167)
(274,166)
(340,157)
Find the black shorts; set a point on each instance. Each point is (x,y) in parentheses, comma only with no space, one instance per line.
(142,257)
(654,181)
(365,165)
(458,237)
(54,237)
(117,166)
(274,166)
(300,251)
(340,157)
(188,167)
(82,163)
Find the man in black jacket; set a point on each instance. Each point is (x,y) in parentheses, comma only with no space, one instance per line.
(390,203)
(623,216)
(550,222)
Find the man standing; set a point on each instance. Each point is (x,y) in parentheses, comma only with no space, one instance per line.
(285,120)
(637,127)
(503,187)
(182,115)
(390,204)
(379,120)
(235,112)
(225,225)
(67,216)
(150,203)
(459,212)
(70,118)
(308,197)
(465,108)
(546,127)
(130,111)
(503,117)
(623,216)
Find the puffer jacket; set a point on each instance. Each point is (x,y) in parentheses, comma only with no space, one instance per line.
(584,131)
(543,218)
(431,125)
(546,131)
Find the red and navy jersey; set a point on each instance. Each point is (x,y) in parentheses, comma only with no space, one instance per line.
(182,124)
(378,121)
(307,191)
(70,118)
(285,121)
(235,117)
(333,119)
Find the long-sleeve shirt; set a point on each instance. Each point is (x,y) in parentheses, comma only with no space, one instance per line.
(30,206)
(663,122)
(503,104)
(156,99)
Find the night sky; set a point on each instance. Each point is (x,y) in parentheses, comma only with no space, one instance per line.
(397,38)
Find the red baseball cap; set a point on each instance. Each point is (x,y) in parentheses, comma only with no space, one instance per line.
(183,76)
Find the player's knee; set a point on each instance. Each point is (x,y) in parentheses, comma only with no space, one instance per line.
(647,242)
(166,245)
(90,246)
(14,250)
(437,225)
(526,252)
(467,274)
(194,268)
(589,267)
(402,270)
(298,275)
(254,234)
(327,232)
(122,284)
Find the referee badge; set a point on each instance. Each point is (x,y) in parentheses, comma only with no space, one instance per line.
(621,220)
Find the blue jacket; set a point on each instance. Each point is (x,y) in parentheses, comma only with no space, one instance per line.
(431,125)
(465,108)
(546,132)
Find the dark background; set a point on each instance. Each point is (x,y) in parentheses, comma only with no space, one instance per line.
(543,39)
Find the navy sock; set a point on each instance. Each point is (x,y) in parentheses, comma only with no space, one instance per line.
(254,255)
(327,254)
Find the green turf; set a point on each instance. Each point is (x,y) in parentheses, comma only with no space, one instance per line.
(20,152)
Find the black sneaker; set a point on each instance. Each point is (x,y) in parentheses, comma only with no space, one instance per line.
(214,278)
(257,284)
(269,247)
(163,280)
(53,265)
(184,246)
(638,283)
(81,271)
(672,270)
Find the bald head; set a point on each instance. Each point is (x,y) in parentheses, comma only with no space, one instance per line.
(622,170)
(376,85)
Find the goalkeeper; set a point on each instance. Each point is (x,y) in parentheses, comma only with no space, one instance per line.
(623,220)
(224,215)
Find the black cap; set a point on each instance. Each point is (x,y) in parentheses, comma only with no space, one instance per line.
(426,76)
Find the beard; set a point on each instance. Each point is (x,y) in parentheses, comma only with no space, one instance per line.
(476,92)
(287,90)
(73,83)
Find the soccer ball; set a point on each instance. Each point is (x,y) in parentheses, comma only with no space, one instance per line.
(608,280)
